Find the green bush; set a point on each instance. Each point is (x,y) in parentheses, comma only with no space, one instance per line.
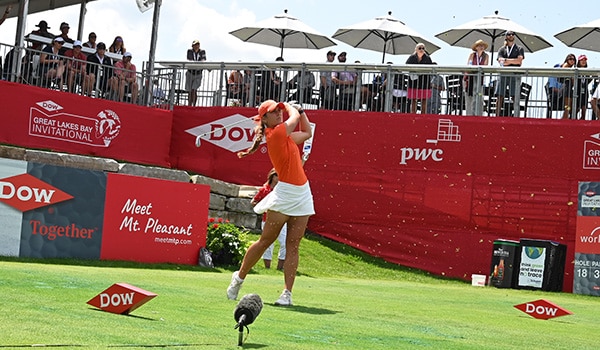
(226,242)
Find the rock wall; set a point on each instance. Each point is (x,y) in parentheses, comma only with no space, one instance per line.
(227,201)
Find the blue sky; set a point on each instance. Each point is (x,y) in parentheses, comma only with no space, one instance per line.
(210,21)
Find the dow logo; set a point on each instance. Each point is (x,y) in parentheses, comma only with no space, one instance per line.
(543,309)
(121,298)
(233,133)
(25,192)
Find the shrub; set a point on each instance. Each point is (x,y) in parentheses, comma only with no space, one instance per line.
(226,242)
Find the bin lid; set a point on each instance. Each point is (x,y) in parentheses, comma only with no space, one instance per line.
(506,242)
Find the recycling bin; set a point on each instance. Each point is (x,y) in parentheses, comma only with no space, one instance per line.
(505,258)
(542,265)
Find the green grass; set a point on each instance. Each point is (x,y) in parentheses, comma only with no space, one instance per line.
(344,300)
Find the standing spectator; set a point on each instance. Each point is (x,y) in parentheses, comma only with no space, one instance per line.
(346,81)
(272,180)
(5,15)
(98,70)
(42,31)
(125,77)
(64,33)
(418,85)
(303,82)
(581,89)
(268,83)
(509,55)
(52,64)
(595,101)
(434,104)
(567,85)
(75,65)
(327,89)
(193,77)
(91,43)
(477,58)
(118,46)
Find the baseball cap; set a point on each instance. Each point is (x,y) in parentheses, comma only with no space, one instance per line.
(101,46)
(195,42)
(581,57)
(64,25)
(77,43)
(331,53)
(127,54)
(343,53)
(59,39)
(269,106)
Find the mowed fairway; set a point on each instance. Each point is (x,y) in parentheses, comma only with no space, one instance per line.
(387,307)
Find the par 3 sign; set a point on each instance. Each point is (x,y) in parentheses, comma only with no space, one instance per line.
(121,298)
(543,309)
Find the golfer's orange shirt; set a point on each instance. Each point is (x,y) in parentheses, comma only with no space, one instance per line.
(285,156)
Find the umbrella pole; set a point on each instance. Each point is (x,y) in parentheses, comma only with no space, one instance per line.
(384,47)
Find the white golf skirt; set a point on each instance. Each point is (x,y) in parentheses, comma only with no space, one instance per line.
(288,199)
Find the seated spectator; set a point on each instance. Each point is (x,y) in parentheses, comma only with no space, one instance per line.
(75,63)
(125,73)
(91,43)
(98,70)
(52,64)
(303,82)
(346,82)
(555,89)
(159,97)
(64,33)
(236,87)
(118,46)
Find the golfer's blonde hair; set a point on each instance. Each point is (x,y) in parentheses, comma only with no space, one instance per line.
(259,132)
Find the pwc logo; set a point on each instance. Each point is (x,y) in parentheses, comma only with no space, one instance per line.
(25,192)
(446,132)
(543,309)
(121,298)
(233,133)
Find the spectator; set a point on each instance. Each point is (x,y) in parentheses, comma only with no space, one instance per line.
(235,87)
(555,89)
(477,58)
(581,89)
(5,15)
(193,77)
(75,63)
(125,74)
(159,96)
(269,83)
(418,85)
(118,46)
(52,64)
(42,31)
(303,82)
(434,104)
(509,55)
(327,89)
(91,43)
(98,70)
(64,33)
(346,81)
(595,102)
(567,85)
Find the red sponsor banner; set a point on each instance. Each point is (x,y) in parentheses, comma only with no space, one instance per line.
(150,220)
(587,240)
(542,309)
(431,192)
(43,118)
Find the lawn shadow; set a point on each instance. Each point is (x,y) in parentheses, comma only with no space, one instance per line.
(128,315)
(306,310)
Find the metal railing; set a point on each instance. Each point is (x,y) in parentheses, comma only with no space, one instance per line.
(461,90)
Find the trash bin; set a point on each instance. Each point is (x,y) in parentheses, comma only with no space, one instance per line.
(505,257)
(542,265)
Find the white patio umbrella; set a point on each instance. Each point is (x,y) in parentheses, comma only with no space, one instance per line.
(384,34)
(283,31)
(492,28)
(585,36)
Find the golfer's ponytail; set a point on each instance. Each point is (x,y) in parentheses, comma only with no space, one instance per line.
(258,137)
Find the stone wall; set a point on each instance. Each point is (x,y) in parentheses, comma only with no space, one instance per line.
(227,201)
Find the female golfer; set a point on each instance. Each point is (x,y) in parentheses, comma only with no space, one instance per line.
(290,201)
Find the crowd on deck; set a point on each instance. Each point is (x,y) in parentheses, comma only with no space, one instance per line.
(92,69)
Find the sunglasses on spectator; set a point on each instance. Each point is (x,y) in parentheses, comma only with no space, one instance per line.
(420,48)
